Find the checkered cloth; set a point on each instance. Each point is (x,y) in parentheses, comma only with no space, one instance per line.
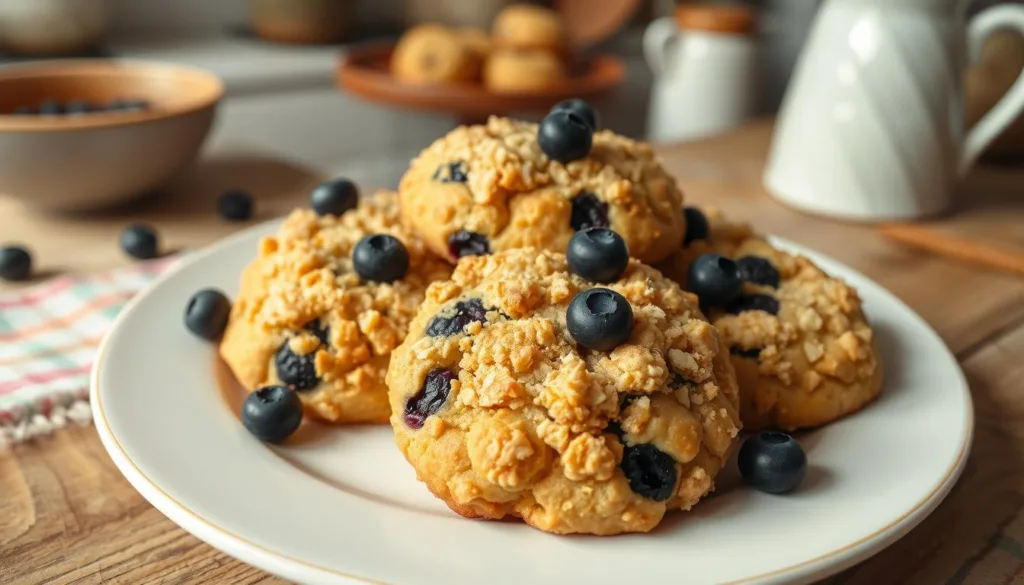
(48,338)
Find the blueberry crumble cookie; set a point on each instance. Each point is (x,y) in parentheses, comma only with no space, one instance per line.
(800,343)
(526,390)
(324,303)
(510,184)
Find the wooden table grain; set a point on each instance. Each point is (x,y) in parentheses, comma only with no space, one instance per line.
(67,515)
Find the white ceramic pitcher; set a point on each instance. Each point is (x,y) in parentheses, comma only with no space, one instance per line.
(872,126)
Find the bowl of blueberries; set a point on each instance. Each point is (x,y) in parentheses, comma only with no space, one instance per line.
(84,134)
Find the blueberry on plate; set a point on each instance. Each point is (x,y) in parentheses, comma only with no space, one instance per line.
(696,225)
(139,241)
(598,254)
(565,136)
(599,319)
(235,205)
(715,280)
(581,108)
(380,258)
(207,313)
(772,462)
(758,270)
(334,197)
(15,263)
(272,413)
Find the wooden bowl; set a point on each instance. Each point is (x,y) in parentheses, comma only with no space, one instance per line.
(78,162)
(364,71)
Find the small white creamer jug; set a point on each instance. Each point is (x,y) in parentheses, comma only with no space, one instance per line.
(703,62)
(872,126)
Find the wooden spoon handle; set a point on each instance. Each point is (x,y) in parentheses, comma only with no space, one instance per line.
(960,248)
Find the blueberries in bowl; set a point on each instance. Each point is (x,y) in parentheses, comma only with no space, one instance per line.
(79,107)
(772,462)
(272,413)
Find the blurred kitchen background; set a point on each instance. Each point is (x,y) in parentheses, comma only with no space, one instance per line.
(283,96)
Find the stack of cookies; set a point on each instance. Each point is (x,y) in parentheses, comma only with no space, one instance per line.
(550,332)
(525,52)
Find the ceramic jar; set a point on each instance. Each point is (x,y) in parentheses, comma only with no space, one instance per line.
(703,61)
(52,27)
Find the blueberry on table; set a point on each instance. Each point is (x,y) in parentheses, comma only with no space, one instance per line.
(581,108)
(380,258)
(15,263)
(772,462)
(715,280)
(235,205)
(599,319)
(467,243)
(50,108)
(757,270)
(334,197)
(430,398)
(598,254)
(697,227)
(651,472)
(139,241)
(207,313)
(272,413)
(565,136)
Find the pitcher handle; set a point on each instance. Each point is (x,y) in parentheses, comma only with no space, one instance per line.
(1006,110)
(660,34)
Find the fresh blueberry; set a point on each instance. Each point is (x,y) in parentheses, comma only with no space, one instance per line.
(298,372)
(588,212)
(598,254)
(15,263)
(79,107)
(51,108)
(235,205)
(431,398)
(467,243)
(139,241)
(696,225)
(272,413)
(758,270)
(23,111)
(207,312)
(650,471)
(334,197)
(581,108)
(599,319)
(380,258)
(752,353)
(565,136)
(454,172)
(753,302)
(715,280)
(128,105)
(453,320)
(772,462)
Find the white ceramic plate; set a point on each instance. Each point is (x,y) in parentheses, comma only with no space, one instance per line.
(342,506)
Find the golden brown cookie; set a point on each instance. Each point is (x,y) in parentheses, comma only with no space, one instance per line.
(526,27)
(487,188)
(433,54)
(503,413)
(799,340)
(476,40)
(304,318)
(518,71)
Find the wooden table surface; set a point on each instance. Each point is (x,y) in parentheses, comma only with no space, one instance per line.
(67,515)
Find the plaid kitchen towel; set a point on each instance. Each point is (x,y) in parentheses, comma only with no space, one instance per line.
(48,338)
